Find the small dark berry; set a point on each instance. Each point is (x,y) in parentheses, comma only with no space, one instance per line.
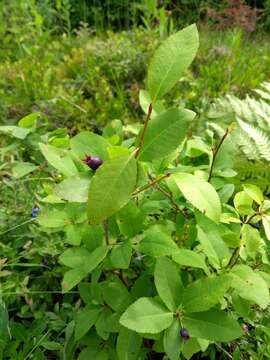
(34,211)
(93,162)
(184,334)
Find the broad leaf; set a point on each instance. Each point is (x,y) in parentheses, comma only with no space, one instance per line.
(157,243)
(266,225)
(23,168)
(73,190)
(170,60)
(251,239)
(204,293)
(116,295)
(128,344)
(85,319)
(168,283)
(250,285)
(88,143)
(200,194)
(254,192)
(172,341)
(74,257)
(243,203)
(146,315)
(213,325)
(59,160)
(120,256)
(190,258)
(74,276)
(165,133)
(111,187)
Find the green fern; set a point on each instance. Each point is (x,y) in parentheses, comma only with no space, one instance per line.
(252,135)
(253,118)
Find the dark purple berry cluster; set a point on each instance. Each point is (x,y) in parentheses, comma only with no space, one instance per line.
(93,162)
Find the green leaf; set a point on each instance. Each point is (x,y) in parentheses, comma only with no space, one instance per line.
(145,101)
(53,219)
(254,192)
(120,256)
(250,285)
(29,121)
(4,332)
(266,225)
(204,293)
(111,187)
(211,241)
(73,190)
(116,295)
(146,315)
(251,239)
(168,283)
(200,194)
(74,276)
(157,243)
(74,257)
(172,341)
(57,159)
(15,131)
(85,319)
(23,168)
(51,345)
(170,60)
(165,133)
(190,258)
(213,325)
(128,344)
(192,346)
(93,353)
(88,143)
(130,220)
(243,203)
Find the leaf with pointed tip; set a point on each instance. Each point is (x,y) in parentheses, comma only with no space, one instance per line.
(170,60)
(111,187)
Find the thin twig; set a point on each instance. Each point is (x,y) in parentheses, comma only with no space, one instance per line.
(106,231)
(225,351)
(150,108)
(215,152)
(233,258)
(150,184)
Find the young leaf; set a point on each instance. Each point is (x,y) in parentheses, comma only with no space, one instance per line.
(85,319)
(168,283)
(200,194)
(165,133)
(111,187)
(157,243)
(243,203)
(204,293)
(254,192)
(172,341)
(213,325)
(170,60)
(146,315)
(128,344)
(120,256)
(65,189)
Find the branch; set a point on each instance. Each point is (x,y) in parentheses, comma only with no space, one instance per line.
(215,152)
(151,184)
(150,108)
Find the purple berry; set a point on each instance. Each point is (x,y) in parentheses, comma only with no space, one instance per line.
(34,211)
(93,162)
(184,333)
